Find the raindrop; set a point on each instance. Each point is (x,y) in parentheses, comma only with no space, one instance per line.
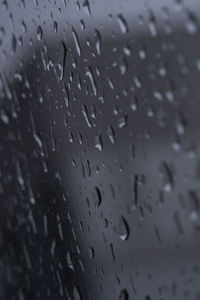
(194,201)
(91,252)
(4,117)
(98,143)
(134,104)
(111,134)
(123,121)
(167,176)
(135,188)
(76,40)
(55,27)
(13,44)
(112,252)
(86,116)
(63,62)
(127,50)
(142,53)
(89,73)
(181,125)
(69,261)
(122,24)
(123,66)
(39,33)
(24,28)
(124,295)
(98,42)
(152,26)
(123,229)
(86,6)
(97,197)
(82,24)
(191,24)
(76,293)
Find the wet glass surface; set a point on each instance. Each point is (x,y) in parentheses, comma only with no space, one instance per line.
(100,149)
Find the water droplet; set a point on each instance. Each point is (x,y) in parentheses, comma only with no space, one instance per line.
(124,295)
(76,293)
(98,143)
(89,73)
(86,116)
(122,24)
(191,24)
(167,176)
(76,40)
(152,26)
(4,117)
(134,104)
(86,6)
(142,54)
(123,121)
(98,42)
(69,261)
(39,33)
(127,50)
(97,197)
(111,134)
(13,44)
(123,229)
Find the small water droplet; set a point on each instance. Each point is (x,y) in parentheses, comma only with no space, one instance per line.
(76,293)
(191,24)
(111,134)
(69,261)
(122,24)
(123,229)
(86,116)
(152,26)
(13,44)
(123,122)
(98,42)
(76,40)
(39,33)
(124,295)
(98,143)
(97,197)
(89,73)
